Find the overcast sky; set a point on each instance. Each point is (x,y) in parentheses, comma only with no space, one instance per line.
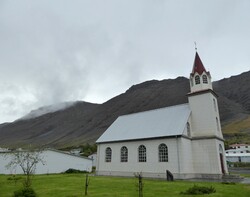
(53,51)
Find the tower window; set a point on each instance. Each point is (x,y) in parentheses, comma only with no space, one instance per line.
(142,153)
(163,153)
(215,106)
(108,154)
(188,129)
(191,82)
(197,79)
(124,154)
(217,124)
(204,79)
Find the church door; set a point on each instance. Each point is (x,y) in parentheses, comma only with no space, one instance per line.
(221,159)
(222,163)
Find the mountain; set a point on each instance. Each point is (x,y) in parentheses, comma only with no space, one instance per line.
(82,122)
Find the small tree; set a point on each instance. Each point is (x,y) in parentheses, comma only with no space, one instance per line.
(27,160)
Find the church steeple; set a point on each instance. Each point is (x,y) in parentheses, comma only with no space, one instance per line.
(200,79)
(198,65)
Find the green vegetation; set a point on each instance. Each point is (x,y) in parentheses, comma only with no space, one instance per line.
(237,131)
(25,192)
(199,190)
(85,149)
(72,185)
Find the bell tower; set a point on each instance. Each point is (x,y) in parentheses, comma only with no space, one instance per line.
(200,79)
(203,102)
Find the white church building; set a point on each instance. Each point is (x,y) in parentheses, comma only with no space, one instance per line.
(183,139)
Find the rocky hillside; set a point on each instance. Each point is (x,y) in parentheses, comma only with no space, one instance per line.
(84,122)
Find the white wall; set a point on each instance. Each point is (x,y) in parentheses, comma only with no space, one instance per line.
(186,158)
(206,156)
(238,157)
(55,162)
(152,166)
(203,116)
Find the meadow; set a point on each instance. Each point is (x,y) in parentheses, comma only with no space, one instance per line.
(72,185)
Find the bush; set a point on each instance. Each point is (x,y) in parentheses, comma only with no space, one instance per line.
(14,178)
(198,190)
(240,164)
(71,171)
(25,192)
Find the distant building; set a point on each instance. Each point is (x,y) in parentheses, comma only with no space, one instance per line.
(238,153)
(185,140)
(238,157)
(54,162)
(239,148)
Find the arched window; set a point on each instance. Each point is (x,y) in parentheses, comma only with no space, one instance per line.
(197,79)
(215,106)
(191,82)
(204,78)
(163,153)
(142,153)
(108,154)
(217,124)
(124,154)
(188,129)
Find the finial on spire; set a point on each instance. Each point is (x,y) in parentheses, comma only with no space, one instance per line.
(195,45)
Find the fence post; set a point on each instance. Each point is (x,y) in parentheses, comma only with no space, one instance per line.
(86,184)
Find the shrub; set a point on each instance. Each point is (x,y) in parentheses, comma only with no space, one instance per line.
(14,178)
(71,171)
(198,190)
(25,192)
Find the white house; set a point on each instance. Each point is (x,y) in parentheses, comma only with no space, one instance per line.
(238,157)
(54,162)
(183,139)
(238,153)
(239,148)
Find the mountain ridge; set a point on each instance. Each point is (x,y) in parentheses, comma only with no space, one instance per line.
(84,122)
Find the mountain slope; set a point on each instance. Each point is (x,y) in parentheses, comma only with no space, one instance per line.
(85,122)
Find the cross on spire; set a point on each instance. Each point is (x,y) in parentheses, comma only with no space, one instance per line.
(195,45)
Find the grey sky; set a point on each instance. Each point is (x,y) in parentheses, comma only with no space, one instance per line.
(54,51)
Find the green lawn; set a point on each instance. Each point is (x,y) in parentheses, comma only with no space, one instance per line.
(72,185)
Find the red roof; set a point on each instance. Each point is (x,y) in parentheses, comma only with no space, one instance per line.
(198,65)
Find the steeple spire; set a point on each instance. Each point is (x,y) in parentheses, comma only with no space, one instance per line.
(198,65)
(200,79)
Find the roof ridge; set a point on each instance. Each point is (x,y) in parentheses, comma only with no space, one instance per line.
(153,110)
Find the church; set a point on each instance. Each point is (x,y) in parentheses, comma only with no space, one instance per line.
(185,140)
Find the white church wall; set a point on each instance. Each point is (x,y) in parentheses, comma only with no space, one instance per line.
(206,158)
(186,156)
(204,115)
(152,167)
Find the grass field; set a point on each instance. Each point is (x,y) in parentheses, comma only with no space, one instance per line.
(72,185)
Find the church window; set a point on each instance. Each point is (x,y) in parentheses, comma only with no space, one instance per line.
(163,153)
(217,124)
(191,81)
(204,78)
(108,154)
(188,129)
(124,154)
(142,153)
(215,106)
(197,79)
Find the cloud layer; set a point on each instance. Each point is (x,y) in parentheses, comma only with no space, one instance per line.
(57,51)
